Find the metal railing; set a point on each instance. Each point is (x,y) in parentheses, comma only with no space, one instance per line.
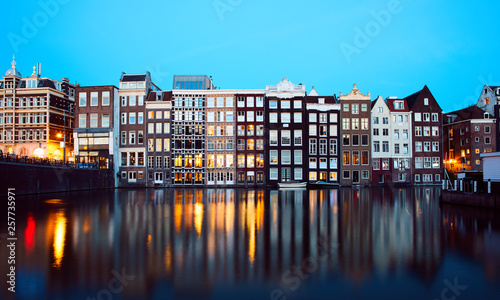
(44,162)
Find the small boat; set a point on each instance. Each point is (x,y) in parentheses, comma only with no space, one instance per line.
(292,185)
(322,184)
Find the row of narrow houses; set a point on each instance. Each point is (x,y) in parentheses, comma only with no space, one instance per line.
(200,135)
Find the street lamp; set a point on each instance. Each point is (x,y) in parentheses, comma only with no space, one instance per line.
(63,143)
(64,128)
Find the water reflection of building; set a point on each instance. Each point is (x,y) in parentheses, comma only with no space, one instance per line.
(473,232)
(356,235)
(195,240)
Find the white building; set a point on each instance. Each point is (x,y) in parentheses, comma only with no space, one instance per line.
(381,141)
(400,135)
(391,151)
(490,95)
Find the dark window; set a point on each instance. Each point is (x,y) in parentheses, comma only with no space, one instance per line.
(241,177)
(355,140)
(364,140)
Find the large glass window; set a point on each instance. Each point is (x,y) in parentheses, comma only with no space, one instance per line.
(297,157)
(273,157)
(105,120)
(285,138)
(83,99)
(82,120)
(273,137)
(285,157)
(285,117)
(297,117)
(93,99)
(105,98)
(210,102)
(93,120)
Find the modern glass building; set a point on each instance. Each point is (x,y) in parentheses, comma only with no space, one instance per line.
(192,82)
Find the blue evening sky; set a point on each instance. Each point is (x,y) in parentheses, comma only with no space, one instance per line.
(390,48)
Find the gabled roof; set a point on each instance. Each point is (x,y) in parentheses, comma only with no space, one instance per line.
(167,95)
(354,95)
(313,92)
(468,113)
(390,104)
(412,99)
(152,96)
(379,98)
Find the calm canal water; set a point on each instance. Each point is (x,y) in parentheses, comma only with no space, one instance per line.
(348,243)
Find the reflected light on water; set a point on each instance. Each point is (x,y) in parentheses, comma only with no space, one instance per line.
(178,214)
(254,222)
(198,218)
(54,201)
(250,216)
(86,225)
(29,234)
(210,241)
(59,239)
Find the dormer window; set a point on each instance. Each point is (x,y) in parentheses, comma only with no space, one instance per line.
(321,100)
(486,115)
(124,85)
(132,85)
(399,105)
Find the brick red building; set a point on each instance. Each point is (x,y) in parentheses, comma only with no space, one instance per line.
(427,139)
(468,133)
